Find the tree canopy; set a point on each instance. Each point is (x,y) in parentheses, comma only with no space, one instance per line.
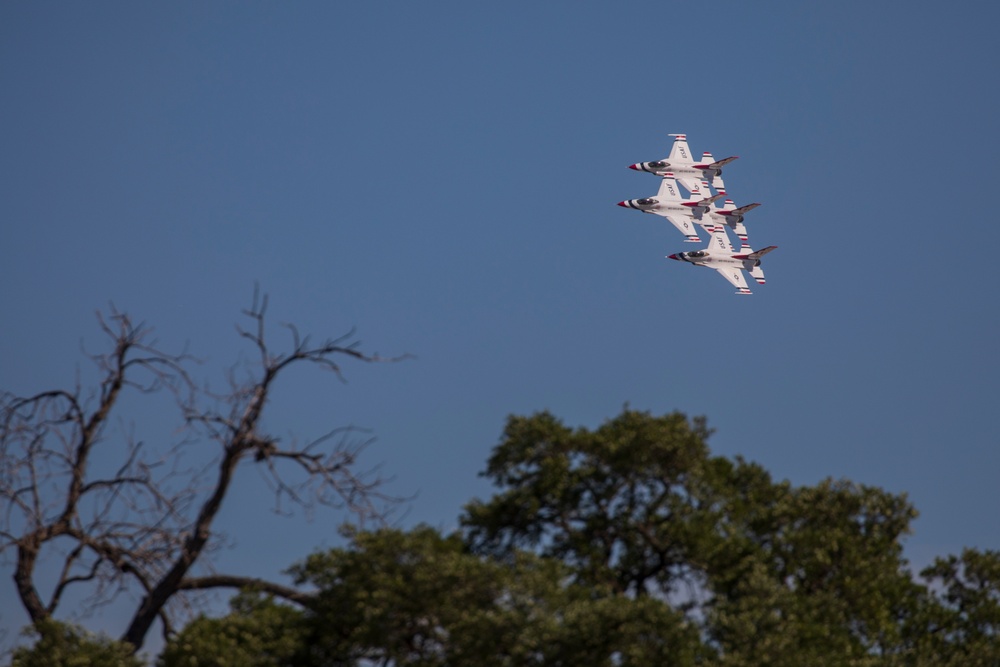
(766,569)
(63,645)
(422,598)
(628,544)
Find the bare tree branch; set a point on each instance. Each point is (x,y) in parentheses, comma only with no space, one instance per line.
(148,521)
(247,583)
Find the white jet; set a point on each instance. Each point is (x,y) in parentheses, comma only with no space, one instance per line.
(682,213)
(684,167)
(721,256)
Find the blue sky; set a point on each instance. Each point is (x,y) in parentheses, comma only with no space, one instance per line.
(443,177)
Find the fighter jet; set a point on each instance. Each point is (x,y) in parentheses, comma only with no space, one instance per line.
(721,256)
(684,167)
(681,212)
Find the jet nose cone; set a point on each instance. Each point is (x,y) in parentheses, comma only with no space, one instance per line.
(623,203)
(634,166)
(673,257)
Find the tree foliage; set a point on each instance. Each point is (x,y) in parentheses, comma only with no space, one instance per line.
(258,632)
(629,544)
(958,623)
(62,645)
(422,598)
(820,567)
(623,505)
(122,516)
(772,573)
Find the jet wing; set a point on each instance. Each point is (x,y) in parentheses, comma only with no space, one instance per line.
(741,234)
(720,242)
(680,152)
(668,190)
(684,225)
(691,183)
(735,276)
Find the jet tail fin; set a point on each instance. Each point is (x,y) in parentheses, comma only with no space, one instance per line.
(751,261)
(712,169)
(680,152)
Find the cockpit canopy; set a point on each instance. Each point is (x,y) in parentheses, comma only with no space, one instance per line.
(659,164)
(696,254)
(648,201)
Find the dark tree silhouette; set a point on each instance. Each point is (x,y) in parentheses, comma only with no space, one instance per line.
(148,519)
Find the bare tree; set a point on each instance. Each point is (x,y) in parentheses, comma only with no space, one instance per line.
(148,519)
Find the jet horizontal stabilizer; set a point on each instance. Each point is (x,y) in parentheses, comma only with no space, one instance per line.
(756,255)
(763,251)
(718,163)
(739,211)
(706,201)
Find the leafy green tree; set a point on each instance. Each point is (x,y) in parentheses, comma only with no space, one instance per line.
(824,571)
(625,506)
(628,545)
(420,598)
(958,623)
(773,574)
(63,645)
(258,632)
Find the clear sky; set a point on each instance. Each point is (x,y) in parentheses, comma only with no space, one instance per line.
(443,177)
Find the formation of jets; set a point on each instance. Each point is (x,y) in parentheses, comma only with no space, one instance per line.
(698,209)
